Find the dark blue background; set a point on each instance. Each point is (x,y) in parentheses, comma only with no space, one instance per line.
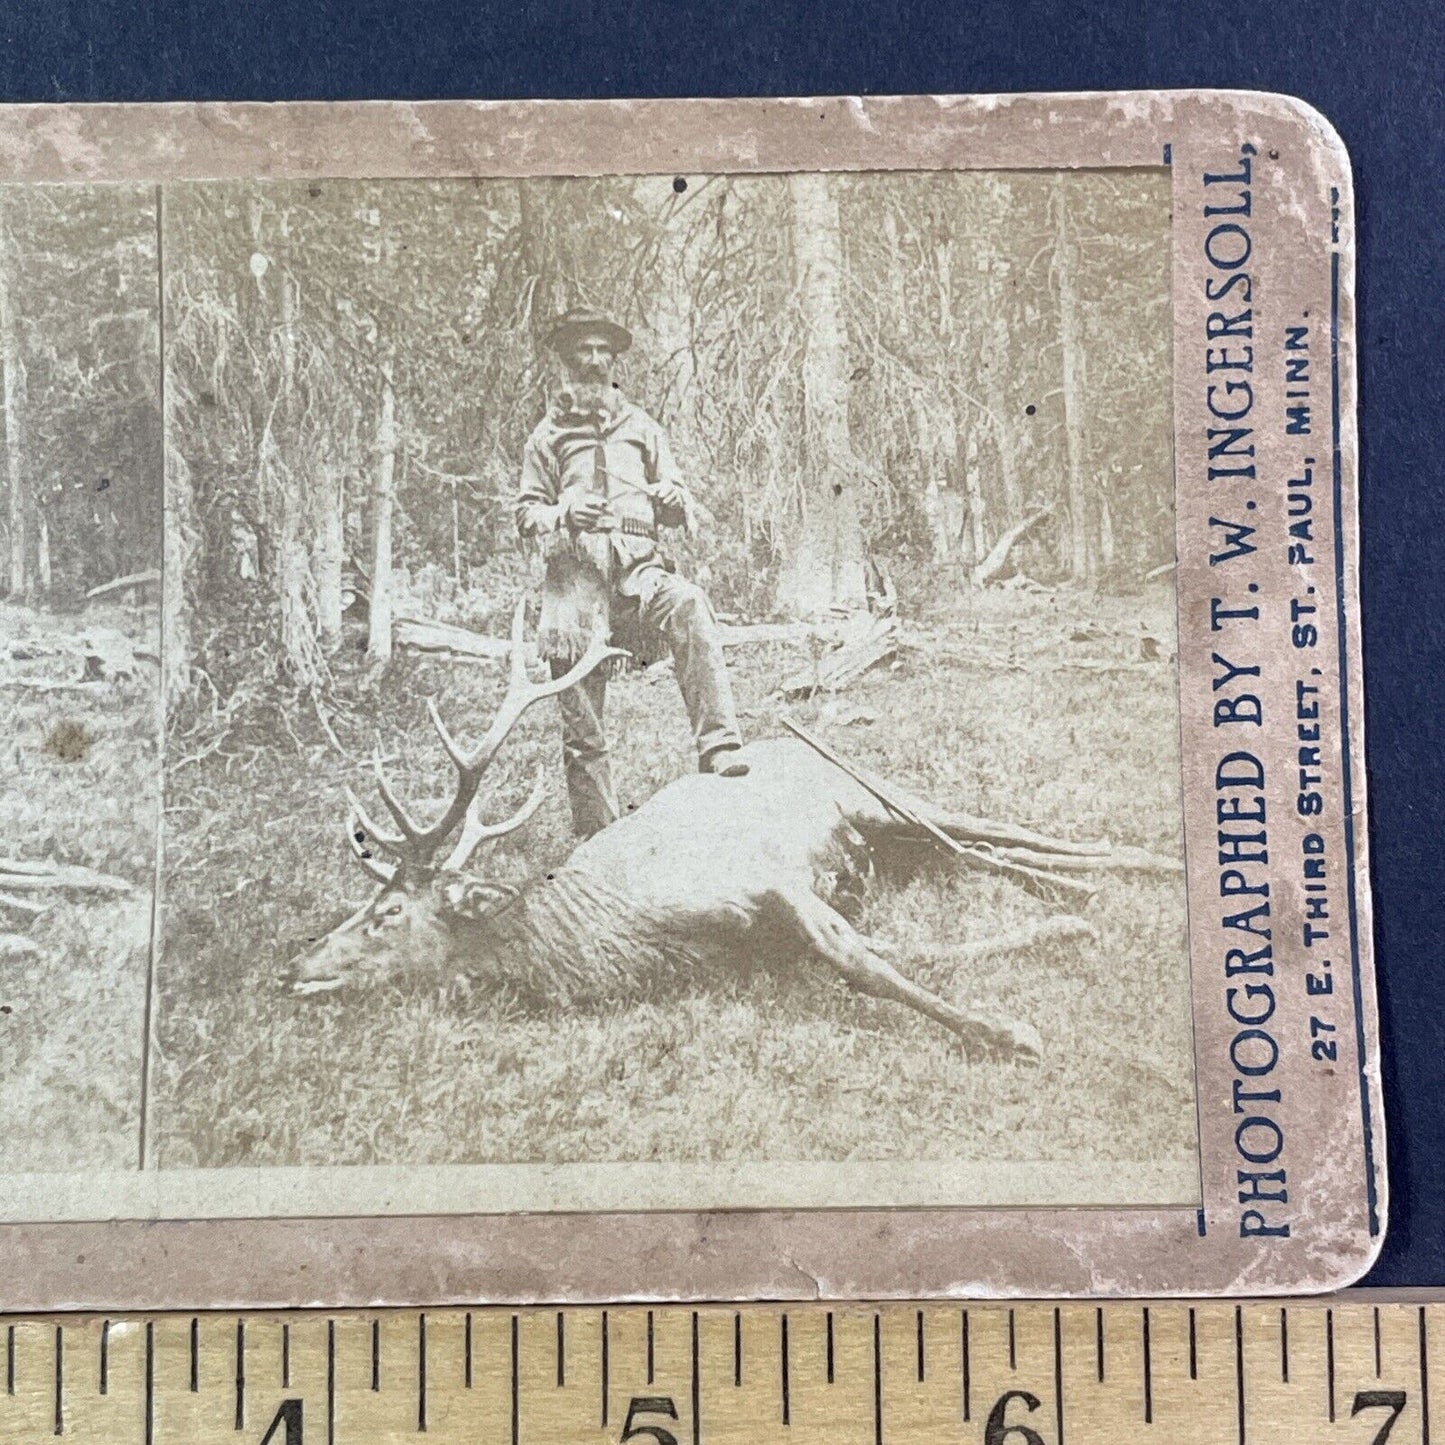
(1375,69)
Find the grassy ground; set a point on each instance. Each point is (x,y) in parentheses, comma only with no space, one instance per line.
(982,714)
(79,784)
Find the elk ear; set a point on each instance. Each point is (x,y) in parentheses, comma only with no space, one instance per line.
(472,899)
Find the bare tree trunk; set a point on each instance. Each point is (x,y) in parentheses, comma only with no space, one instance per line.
(977,504)
(897,291)
(42,553)
(383,506)
(943,259)
(294,587)
(995,342)
(296,531)
(182,539)
(936,488)
(12,397)
(328,548)
(1083,556)
(826,566)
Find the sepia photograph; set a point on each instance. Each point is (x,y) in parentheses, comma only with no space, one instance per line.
(80,771)
(668,686)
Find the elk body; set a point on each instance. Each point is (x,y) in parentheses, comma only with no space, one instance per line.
(709,872)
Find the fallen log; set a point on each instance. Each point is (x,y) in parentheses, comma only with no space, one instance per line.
(740,634)
(997,558)
(442,637)
(420,634)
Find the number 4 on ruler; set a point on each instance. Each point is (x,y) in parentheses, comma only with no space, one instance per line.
(288,1415)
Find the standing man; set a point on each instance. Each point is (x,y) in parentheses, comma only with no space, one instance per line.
(598,479)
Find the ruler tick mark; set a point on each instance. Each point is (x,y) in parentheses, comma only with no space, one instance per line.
(285,1357)
(561,1351)
(376,1354)
(1330,1361)
(1424,1381)
(783,1353)
(877,1380)
(920,1347)
(829,1333)
(696,1387)
(195,1355)
(1013,1354)
(516,1383)
(10,1359)
(965,1352)
(105,1357)
(59,1381)
(1193,1349)
(240,1374)
(1284,1345)
(1377,1341)
(1099,1344)
(1239,1370)
(467,1350)
(604,1368)
(650,1354)
(421,1369)
(150,1384)
(737,1347)
(330,1382)
(1148,1372)
(1059,1375)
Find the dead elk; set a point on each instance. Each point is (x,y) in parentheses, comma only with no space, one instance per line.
(708,871)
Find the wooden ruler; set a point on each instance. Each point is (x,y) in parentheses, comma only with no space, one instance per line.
(1210,1373)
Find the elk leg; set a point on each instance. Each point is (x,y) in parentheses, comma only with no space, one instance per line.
(838,943)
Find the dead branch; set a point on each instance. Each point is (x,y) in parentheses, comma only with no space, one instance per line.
(36,685)
(135,579)
(997,558)
(19,876)
(23,905)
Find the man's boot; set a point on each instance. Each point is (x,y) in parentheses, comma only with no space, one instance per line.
(726,762)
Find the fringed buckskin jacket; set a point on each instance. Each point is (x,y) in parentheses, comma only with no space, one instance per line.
(590,577)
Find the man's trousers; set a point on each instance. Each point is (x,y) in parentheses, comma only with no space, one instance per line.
(678,611)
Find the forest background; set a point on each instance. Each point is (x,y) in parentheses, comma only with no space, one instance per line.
(906,366)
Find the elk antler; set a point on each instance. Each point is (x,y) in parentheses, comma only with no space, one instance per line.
(418,843)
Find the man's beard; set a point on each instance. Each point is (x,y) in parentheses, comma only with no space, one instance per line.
(592,393)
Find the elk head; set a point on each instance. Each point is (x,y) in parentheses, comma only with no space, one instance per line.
(405,927)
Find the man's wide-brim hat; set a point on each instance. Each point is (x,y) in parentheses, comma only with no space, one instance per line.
(583,321)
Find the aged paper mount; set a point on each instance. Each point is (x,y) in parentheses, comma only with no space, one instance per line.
(986,466)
